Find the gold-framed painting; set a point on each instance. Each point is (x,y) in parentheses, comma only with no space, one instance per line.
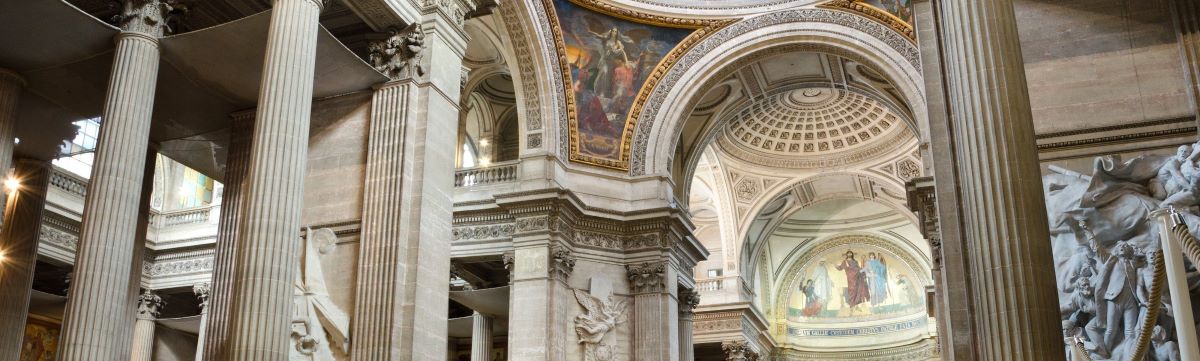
(611,58)
(41,340)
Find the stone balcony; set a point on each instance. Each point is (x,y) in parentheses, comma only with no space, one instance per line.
(179,242)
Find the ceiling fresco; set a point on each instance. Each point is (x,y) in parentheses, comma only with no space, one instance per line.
(612,59)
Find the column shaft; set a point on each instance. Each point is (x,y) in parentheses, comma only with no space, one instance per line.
(237,164)
(138,247)
(953,299)
(268,247)
(97,308)
(18,244)
(688,300)
(202,291)
(1003,211)
(143,340)
(11,86)
(481,337)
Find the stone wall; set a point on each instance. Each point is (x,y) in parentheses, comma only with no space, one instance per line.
(1094,63)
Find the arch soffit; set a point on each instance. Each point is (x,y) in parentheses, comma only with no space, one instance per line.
(840,33)
(531,50)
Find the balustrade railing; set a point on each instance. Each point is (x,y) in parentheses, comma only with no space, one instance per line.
(711,284)
(68,182)
(490,174)
(198,215)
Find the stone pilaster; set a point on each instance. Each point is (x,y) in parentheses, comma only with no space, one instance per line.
(538,322)
(143,330)
(267,252)
(202,291)
(1186,18)
(237,164)
(1009,264)
(688,300)
(11,86)
(738,351)
(481,337)
(400,300)
(95,322)
(655,311)
(18,249)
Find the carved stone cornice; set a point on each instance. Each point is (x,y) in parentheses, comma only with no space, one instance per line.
(149,305)
(647,277)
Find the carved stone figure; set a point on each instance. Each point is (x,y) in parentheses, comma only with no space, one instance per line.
(318,325)
(399,56)
(1120,282)
(1100,229)
(602,314)
(1164,350)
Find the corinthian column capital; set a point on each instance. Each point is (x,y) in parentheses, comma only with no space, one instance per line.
(149,305)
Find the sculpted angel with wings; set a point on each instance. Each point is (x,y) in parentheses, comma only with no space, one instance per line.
(600,318)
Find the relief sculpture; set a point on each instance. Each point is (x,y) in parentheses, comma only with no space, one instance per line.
(1103,238)
(602,314)
(319,327)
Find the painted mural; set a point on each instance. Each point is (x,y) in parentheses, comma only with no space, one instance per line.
(900,8)
(859,283)
(609,61)
(41,341)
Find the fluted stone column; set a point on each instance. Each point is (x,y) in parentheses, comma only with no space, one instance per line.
(481,337)
(268,247)
(655,312)
(138,247)
(237,164)
(1010,268)
(1186,18)
(688,300)
(143,330)
(953,299)
(98,302)
(400,301)
(18,245)
(11,86)
(202,291)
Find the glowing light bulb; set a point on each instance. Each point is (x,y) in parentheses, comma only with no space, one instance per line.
(485,161)
(13,184)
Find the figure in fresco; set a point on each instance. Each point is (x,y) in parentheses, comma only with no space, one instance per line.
(857,291)
(877,278)
(610,61)
(822,284)
(812,303)
(909,290)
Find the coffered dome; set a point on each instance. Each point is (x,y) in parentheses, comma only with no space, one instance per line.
(811,127)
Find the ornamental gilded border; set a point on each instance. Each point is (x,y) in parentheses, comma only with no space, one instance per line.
(704,27)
